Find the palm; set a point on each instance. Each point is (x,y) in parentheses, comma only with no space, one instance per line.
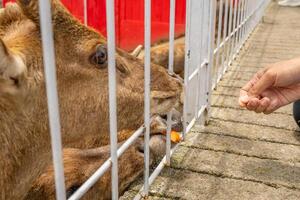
(273,98)
(281,96)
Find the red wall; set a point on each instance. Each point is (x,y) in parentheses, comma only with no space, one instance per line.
(130,19)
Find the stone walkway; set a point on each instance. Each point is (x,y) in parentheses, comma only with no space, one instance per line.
(241,155)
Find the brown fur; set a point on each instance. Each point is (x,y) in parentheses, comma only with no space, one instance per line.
(160,53)
(82,87)
(160,56)
(81,164)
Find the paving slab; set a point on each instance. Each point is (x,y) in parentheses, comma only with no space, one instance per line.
(242,146)
(129,195)
(249,132)
(187,185)
(196,186)
(275,120)
(237,75)
(224,90)
(223,164)
(233,83)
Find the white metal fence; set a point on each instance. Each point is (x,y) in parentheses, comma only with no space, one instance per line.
(209,51)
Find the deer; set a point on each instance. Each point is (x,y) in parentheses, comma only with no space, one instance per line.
(160,56)
(80,164)
(82,77)
(160,53)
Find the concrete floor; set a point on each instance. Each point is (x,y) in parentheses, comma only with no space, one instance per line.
(241,155)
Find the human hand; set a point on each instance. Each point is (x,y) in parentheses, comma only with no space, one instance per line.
(272,88)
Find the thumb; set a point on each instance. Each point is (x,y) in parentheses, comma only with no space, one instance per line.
(266,80)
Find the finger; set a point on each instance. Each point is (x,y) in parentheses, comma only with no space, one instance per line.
(243,99)
(263,105)
(271,108)
(253,104)
(267,80)
(250,84)
(253,81)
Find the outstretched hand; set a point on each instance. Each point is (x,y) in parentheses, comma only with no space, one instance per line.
(272,88)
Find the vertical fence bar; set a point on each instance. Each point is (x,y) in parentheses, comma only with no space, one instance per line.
(247,20)
(147,91)
(244,20)
(211,40)
(248,16)
(241,23)
(85,12)
(251,18)
(199,67)
(51,87)
(186,66)
(237,35)
(111,47)
(233,30)
(218,42)
(225,32)
(168,142)
(171,70)
(171,35)
(229,33)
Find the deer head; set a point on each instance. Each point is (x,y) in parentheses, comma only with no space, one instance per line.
(81,56)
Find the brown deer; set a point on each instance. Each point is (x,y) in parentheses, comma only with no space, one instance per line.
(160,56)
(81,164)
(160,53)
(82,74)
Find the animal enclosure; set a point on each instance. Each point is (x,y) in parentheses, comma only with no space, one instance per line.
(215,31)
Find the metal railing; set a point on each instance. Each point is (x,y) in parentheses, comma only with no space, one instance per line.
(205,64)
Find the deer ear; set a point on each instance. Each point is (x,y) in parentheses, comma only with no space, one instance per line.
(30,9)
(3,49)
(136,52)
(11,65)
(4,52)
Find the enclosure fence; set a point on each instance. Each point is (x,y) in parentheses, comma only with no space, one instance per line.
(215,33)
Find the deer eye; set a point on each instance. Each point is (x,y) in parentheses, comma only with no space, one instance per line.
(99,58)
(71,190)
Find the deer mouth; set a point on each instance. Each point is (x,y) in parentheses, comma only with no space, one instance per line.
(165,105)
(164,102)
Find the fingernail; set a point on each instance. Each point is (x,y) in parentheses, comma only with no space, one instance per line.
(244,99)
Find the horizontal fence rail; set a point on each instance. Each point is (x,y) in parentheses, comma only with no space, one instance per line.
(215,33)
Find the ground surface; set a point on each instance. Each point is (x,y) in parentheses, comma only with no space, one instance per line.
(240,154)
